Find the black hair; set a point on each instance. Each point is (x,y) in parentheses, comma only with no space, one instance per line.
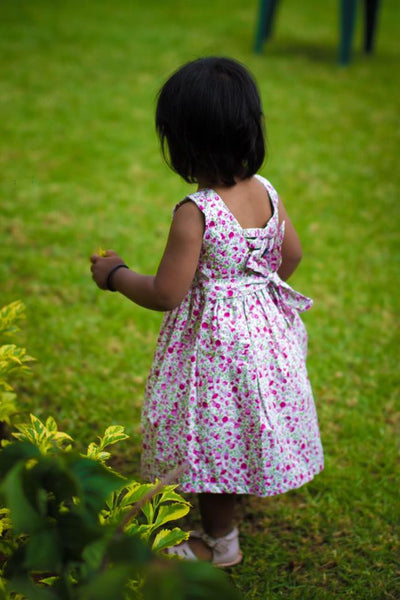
(209,118)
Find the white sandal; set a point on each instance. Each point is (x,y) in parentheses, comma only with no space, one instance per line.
(225,550)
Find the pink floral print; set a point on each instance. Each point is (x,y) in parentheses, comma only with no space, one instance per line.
(228,392)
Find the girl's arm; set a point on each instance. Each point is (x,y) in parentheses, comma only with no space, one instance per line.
(165,290)
(291,247)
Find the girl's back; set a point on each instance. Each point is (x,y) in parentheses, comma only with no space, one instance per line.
(248,202)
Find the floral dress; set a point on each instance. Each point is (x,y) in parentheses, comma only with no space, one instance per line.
(228,393)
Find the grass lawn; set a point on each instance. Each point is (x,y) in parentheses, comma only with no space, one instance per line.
(80,167)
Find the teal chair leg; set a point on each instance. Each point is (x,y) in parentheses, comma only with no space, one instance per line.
(265,23)
(348,10)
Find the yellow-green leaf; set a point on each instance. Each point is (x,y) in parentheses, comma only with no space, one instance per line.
(135,492)
(169,495)
(169,537)
(170,512)
(112,435)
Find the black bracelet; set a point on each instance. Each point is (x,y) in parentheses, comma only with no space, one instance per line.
(111,273)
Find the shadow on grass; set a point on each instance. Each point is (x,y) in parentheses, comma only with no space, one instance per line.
(314,51)
(319,51)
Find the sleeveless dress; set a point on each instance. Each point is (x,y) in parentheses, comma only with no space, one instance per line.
(228,393)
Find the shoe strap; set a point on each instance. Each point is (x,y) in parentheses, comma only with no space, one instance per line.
(221,544)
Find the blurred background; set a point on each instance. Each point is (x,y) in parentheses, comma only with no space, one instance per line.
(81,167)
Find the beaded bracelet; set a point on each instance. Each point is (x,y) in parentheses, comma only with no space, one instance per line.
(111,273)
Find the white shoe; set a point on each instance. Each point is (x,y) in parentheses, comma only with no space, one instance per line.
(225,550)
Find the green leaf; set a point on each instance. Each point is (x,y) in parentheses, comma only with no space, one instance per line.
(95,481)
(43,551)
(3,383)
(12,454)
(169,495)
(6,548)
(44,437)
(148,511)
(170,512)
(12,359)
(164,584)
(107,585)
(5,521)
(143,530)
(3,593)
(188,580)
(49,580)
(95,453)
(22,584)
(33,490)
(112,435)
(131,549)
(24,518)
(50,475)
(76,533)
(169,537)
(9,314)
(51,425)
(134,492)
(94,552)
(8,406)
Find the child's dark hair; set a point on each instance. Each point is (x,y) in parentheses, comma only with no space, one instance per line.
(210,119)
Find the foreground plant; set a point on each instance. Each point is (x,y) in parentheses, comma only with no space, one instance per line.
(13,359)
(72,528)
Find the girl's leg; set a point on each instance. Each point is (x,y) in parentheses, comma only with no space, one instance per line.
(217,512)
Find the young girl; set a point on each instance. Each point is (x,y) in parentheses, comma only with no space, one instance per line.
(228,393)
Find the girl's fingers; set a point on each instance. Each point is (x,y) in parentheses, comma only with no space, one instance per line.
(101,265)
(105,254)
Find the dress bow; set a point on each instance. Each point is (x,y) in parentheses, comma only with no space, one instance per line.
(265,250)
(265,259)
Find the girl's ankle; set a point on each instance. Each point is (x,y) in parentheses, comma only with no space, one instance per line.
(219,532)
(200,549)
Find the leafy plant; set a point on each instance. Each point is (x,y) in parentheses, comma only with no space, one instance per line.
(54,502)
(72,528)
(43,435)
(112,435)
(157,504)
(13,359)
(152,508)
(79,532)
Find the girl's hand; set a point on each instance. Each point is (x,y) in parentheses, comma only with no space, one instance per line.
(102,265)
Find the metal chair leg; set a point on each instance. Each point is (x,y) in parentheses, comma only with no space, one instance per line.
(347,24)
(371,17)
(265,24)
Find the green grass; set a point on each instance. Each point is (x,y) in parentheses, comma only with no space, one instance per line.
(80,167)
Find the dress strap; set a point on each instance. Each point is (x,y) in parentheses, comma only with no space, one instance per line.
(207,199)
(272,193)
(196,197)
